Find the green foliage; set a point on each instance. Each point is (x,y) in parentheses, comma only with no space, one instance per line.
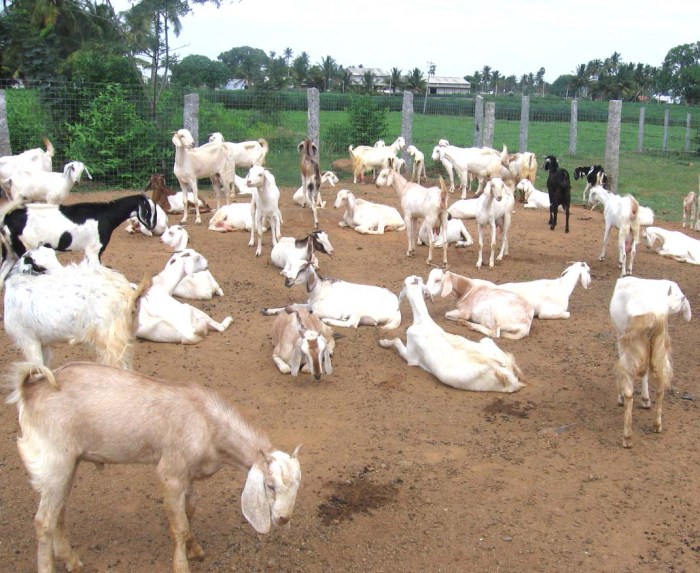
(366,123)
(94,65)
(113,140)
(26,120)
(200,71)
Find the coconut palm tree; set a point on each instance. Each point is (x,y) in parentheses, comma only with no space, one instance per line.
(396,80)
(415,81)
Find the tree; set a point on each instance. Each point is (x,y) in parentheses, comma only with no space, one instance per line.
(300,69)
(476,81)
(396,80)
(199,71)
(246,63)
(495,78)
(329,68)
(287,55)
(368,82)
(579,81)
(415,81)
(485,78)
(539,80)
(680,72)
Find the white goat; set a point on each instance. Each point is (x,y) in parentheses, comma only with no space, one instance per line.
(418,163)
(456,234)
(43,186)
(299,196)
(418,202)
(690,210)
(673,244)
(161,318)
(534,198)
(46,303)
(208,161)
(483,306)
(366,217)
(464,208)
(495,206)
(453,360)
(550,297)
(87,412)
(264,206)
(523,166)
(35,159)
(365,157)
(302,341)
(639,310)
(478,161)
(621,212)
(201,285)
(341,303)
(244,154)
(232,217)
(289,249)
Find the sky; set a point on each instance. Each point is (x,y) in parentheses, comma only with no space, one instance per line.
(514,37)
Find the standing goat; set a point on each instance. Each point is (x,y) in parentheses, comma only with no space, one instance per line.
(690,211)
(35,159)
(494,208)
(595,176)
(418,163)
(310,175)
(43,186)
(92,413)
(264,206)
(559,188)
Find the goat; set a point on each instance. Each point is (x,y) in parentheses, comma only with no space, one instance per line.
(639,310)
(201,285)
(623,214)
(244,154)
(690,210)
(93,413)
(453,360)
(673,244)
(550,297)
(366,217)
(483,306)
(44,186)
(233,217)
(289,249)
(299,196)
(595,176)
(161,318)
(35,159)
(171,201)
(523,166)
(341,303)
(418,163)
(418,202)
(46,303)
(365,157)
(480,162)
(534,198)
(133,224)
(264,206)
(310,175)
(456,234)
(208,161)
(84,226)
(302,341)
(559,188)
(494,208)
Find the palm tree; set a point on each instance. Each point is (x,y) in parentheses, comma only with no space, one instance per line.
(287,55)
(300,68)
(540,80)
(476,80)
(579,83)
(485,77)
(495,77)
(368,82)
(415,81)
(329,68)
(396,79)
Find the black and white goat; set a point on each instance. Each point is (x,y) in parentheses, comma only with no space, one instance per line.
(84,226)
(594,174)
(559,187)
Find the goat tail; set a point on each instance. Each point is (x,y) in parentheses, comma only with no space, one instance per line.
(634,207)
(49,147)
(23,373)
(443,194)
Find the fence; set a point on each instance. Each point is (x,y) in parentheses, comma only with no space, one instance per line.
(123,138)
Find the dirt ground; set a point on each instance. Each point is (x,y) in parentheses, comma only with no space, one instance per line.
(402,473)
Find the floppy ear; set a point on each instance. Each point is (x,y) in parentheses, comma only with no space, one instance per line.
(295,360)
(311,279)
(300,146)
(446,285)
(327,367)
(254,501)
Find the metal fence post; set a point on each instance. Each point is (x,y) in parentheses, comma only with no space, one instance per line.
(5,146)
(612,144)
(478,120)
(640,134)
(190,116)
(524,122)
(489,123)
(407,122)
(573,127)
(313,123)
(664,145)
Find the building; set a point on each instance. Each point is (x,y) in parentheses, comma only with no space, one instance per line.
(381,78)
(448,85)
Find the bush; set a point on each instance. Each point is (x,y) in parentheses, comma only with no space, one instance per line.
(26,120)
(367,122)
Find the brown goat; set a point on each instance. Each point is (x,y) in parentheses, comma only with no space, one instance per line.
(168,199)
(310,174)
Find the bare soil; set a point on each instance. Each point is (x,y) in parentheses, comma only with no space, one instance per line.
(400,472)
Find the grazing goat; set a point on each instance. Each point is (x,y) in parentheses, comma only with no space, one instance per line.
(483,306)
(310,175)
(171,201)
(559,188)
(302,341)
(44,186)
(418,163)
(340,303)
(494,208)
(244,154)
(418,202)
(639,310)
(623,214)
(453,360)
(92,413)
(299,196)
(35,159)
(456,233)
(289,249)
(595,176)
(673,244)
(366,217)
(365,157)
(79,227)
(264,206)
(46,303)
(690,210)
(211,161)
(550,297)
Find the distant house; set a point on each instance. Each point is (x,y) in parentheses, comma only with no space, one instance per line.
(381,78)
(448,85)
(236,84)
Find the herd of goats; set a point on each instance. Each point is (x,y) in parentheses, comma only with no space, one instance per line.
(186,430)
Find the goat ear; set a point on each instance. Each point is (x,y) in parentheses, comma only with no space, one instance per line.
(310,279)
(327,366)
(300,146)
(296,451)
(254,501)
(446,284)
(295,360)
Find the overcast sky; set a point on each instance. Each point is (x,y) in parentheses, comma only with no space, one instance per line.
(459,37)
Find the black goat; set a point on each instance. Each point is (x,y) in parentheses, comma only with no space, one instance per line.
(79,227)
(594,174)
(559,187)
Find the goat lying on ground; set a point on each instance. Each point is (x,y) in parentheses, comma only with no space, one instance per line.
(299,196)
(289,249)
(595,176)
(233,217)
(35,159)
(559,189)
(133,225)
(302,341)
(483,306)
(171,201)
(92,413)
(452,359)
(366,217)
(44,186)
(46,303)
(534,198)
(456,234)
(639,310)
(673,244)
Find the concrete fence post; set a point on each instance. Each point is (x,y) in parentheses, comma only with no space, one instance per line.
(612,144)
(524,123)
(573,128)
(686,147)
(5,146)
(190,116)
(313,121)
(478,121)
(640,133)
(664,145)
(407,124)
(489,123)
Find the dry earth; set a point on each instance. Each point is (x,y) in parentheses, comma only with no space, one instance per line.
(402,473)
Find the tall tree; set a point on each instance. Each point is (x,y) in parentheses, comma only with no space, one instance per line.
(396,80)
(415,81)
(539,80)
(485,78)
(495,78)
(287,55)
(680,72)
(329,68)
(300,69)
(246,63)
